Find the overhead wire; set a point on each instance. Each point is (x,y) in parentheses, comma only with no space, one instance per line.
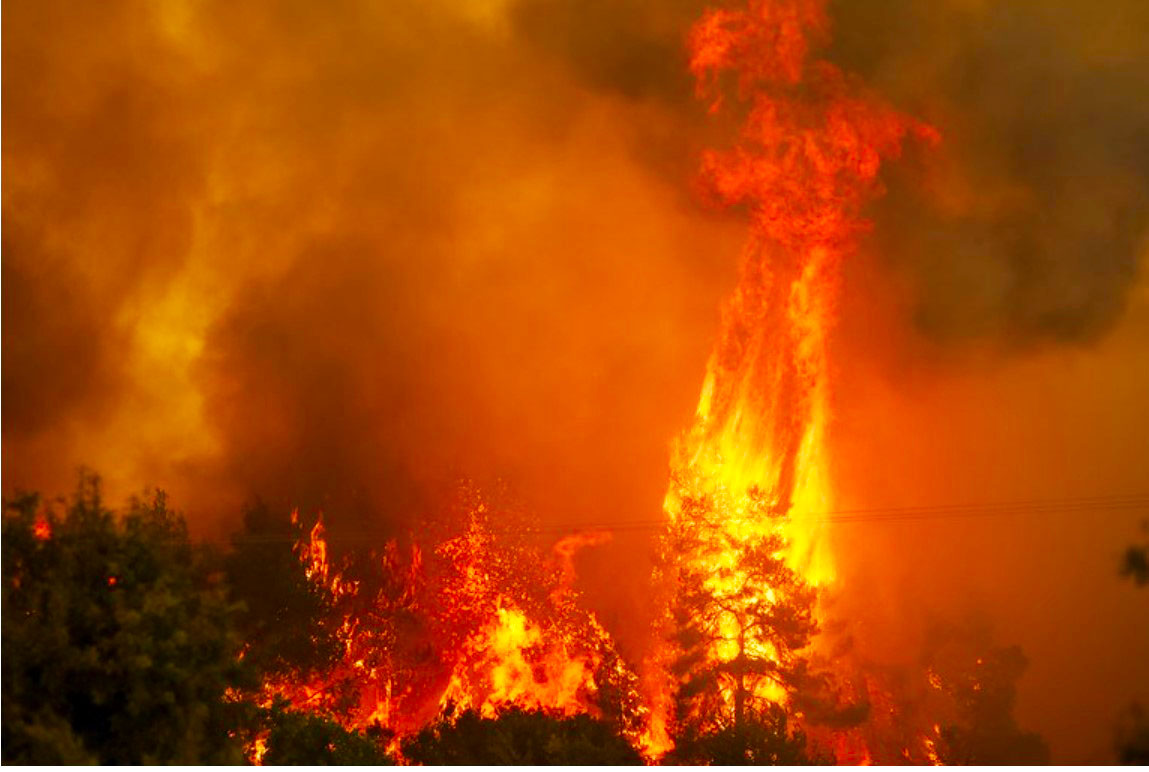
(890,514)
(921,512)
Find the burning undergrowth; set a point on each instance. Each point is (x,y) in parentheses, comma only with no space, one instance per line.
(470,615)
(471,640)
(471,620)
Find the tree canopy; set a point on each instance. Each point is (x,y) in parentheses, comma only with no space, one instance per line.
(977,681)
(117,637)
(286,619)
(519,737)
(740,617)
(1135,561)
(763,737)
(297,738)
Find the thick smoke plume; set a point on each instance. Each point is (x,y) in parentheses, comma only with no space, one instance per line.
(337,254)
(1029,224)
(282,244)
(1030,227)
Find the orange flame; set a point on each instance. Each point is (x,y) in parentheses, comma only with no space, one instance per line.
(510,661)
(495,632)
(807,160)
(752,472)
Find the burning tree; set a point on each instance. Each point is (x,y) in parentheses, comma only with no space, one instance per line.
(973,684)
(742,602)
(750,479)
(515,629)
(286,624)
(742,618)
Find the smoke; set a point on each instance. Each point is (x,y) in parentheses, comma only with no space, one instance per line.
(1018,242)
(184,183)
(99,169)
(1030,224)
(337,254)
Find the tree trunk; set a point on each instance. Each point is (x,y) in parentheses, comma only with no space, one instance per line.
(740,689)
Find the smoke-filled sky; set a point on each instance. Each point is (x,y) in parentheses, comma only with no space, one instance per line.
(339,254)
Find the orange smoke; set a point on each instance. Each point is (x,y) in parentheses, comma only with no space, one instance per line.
(566,547)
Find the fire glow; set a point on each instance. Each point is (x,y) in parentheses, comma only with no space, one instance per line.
(505,628)
(753,472)
(749,479)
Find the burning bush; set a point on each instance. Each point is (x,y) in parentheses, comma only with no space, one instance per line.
(469,615)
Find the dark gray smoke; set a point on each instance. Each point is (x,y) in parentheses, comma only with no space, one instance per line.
(1030,222)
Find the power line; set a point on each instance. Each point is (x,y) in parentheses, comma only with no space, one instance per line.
(1051,506)
(921,512)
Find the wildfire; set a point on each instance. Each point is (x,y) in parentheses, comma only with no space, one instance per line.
(750,477)
(512,662)
(745,555)
(478,625)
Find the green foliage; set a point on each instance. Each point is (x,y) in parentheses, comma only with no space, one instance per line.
(1133,731)
(286,619)
(1133,737)
(1135,561)
(303,739)
(40,739)
(762,738)
(519,737)
(981,681)
(117,643)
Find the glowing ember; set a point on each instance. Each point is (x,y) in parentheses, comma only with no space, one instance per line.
(42,529)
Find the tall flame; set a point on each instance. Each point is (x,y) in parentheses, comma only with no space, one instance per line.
(754,468)
(750,478)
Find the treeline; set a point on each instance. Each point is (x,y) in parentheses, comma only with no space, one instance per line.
(126,643)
